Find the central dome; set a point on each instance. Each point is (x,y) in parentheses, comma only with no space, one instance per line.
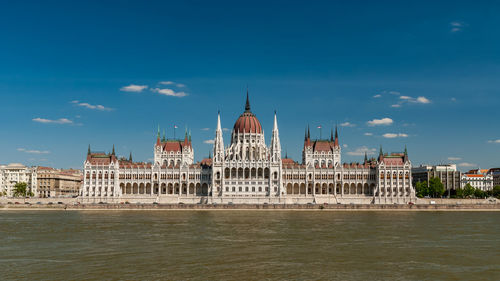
(248,122)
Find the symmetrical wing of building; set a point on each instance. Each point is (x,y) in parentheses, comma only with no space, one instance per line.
(248,171)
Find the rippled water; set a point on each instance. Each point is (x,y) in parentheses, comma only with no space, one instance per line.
(249,245)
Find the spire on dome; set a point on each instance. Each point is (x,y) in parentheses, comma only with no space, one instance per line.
(247,104)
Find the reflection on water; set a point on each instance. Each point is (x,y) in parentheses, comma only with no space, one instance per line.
(249,245)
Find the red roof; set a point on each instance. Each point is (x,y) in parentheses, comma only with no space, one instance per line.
(248,123)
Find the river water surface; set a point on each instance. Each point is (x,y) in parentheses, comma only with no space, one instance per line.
(249,245)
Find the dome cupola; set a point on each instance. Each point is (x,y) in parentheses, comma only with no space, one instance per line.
(247,122)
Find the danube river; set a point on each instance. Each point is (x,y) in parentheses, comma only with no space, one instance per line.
(249,245)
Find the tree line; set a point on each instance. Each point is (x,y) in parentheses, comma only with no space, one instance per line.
(435,189)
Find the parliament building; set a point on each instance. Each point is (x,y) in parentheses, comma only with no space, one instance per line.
(247,171)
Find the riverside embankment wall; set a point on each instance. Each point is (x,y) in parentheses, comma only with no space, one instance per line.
(352,207)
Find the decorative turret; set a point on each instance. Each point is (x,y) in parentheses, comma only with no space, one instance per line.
(130,157)
(158,141)
(405,155)
(275,142)
(218,142)
(336,141)
(88,151)
(366,158)
(113,152)
(381,154)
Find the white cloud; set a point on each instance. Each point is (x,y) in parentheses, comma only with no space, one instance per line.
(396,93)
(133,88)
(377,96)
(422,100)
(347,124)
(178,85)
(32,151)
(453,99)
(344,145)
(169,92)
(494,141)
(225,129)
(405,97)
(368,134)
(456,26)
(393,135)
(91,106)
(377,122)
(454,158)
(360,151)
(49,121)
(465,164)
(205,129)
(209,141)
(396,105)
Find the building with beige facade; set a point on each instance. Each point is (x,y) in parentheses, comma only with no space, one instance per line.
(58,182)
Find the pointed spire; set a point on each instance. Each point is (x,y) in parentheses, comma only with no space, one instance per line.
(130,157)
(305,134)
(406,151)
(308,132)
(381,153)
(218,121)
(190,136)
(164,136)
(88,151)
(331,135)
(366,157)
(336,136)
(275,126)
(158,130)
(247,104)
(113,152)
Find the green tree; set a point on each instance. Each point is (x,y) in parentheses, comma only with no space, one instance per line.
(421,189)
(468,191)
(436,187)
(478,193)
(496,191)
(21,190)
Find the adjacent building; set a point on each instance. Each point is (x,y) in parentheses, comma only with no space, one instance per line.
(479,178)
(448,174)
(58,182)
(14,173)
(248,171)
(495,173)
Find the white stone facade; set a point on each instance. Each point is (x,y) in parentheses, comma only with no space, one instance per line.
(248,171)
(480,181)
(13,173)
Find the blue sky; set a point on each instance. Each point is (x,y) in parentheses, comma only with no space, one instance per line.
(421,74)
